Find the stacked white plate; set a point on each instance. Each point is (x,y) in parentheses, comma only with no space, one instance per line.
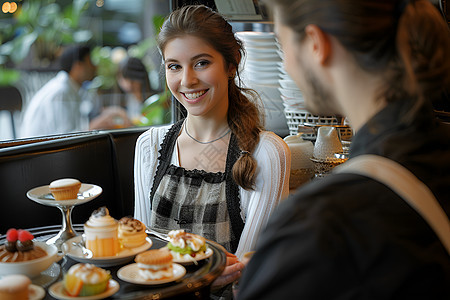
(260,72)
(290,94)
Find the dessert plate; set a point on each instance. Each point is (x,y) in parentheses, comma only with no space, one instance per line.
(35,292)
(124,256)
(42,195)
(57,291)
(194,260)
(130,273)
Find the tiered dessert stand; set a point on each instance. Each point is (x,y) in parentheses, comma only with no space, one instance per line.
(42,195)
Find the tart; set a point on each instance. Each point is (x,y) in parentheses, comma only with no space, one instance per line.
(83,280)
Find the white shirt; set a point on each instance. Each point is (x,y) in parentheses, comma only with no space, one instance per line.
(55,109)
(272,182)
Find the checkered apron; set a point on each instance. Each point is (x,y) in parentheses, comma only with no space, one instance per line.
(200,202)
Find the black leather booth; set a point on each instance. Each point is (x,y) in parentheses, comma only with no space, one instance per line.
(104,158)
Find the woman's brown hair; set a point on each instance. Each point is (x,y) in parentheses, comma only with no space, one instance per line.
(405,41)
(244,117)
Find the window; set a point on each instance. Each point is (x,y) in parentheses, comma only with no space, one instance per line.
(34,33)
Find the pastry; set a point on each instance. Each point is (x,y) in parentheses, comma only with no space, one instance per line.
(83,280)
(131,232)
(185,245)
(155,264)
(19,247)
(14,287)
(101,233)
(65,189)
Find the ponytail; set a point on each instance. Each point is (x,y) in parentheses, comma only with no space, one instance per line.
(244,119)
(423,47)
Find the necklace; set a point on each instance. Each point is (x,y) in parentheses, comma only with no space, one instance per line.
(208,142)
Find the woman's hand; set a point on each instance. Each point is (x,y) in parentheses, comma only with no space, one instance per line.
(232,272)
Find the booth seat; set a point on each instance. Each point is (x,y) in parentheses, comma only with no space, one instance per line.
(103,158)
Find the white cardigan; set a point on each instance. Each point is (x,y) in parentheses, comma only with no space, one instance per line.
(272,182)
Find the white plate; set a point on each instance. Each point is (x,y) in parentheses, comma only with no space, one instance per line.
(269,44)
(291,93)
(251,51)
(57,291)
(124,256)
(35,292)
(42,195)
(288,84)
(184,261)
(256,35)
(130,273)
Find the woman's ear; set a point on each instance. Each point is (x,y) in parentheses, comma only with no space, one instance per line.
(231,71)
(319,42)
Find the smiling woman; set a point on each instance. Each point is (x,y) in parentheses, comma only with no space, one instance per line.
(198,77)
(216,173)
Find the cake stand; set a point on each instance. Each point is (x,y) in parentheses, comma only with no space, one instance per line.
(42,195)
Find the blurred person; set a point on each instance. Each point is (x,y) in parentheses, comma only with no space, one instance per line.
(215,173)
(133,80)
(381,64)
(56,107)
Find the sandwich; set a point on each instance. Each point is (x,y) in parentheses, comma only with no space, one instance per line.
(185,245)
(155,264)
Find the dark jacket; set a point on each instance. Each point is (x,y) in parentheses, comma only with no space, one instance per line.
(349,237)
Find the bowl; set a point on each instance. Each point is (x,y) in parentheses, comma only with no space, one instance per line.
(32,268)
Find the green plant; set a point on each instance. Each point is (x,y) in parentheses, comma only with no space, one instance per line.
(156,110)
(8,76)
(107,59)
(47,26)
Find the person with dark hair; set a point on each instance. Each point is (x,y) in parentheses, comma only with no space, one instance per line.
(133,80)
(353,234)
(56,107)
(216,173)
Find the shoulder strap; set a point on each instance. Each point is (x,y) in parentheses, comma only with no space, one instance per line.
(232,195)
(165,155)
(406,185)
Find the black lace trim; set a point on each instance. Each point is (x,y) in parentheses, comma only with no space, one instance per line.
(210,177)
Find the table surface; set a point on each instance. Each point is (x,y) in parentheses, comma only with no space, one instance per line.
(197,280)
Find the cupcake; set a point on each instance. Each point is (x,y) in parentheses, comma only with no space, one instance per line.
(65,189)
(155,264)
(14,287)
(131,232)
(101,233)
(83,280)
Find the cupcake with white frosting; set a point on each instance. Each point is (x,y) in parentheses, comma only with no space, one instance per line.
(101,233)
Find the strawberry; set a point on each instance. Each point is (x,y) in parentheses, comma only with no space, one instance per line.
(12,235)
(25,235)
